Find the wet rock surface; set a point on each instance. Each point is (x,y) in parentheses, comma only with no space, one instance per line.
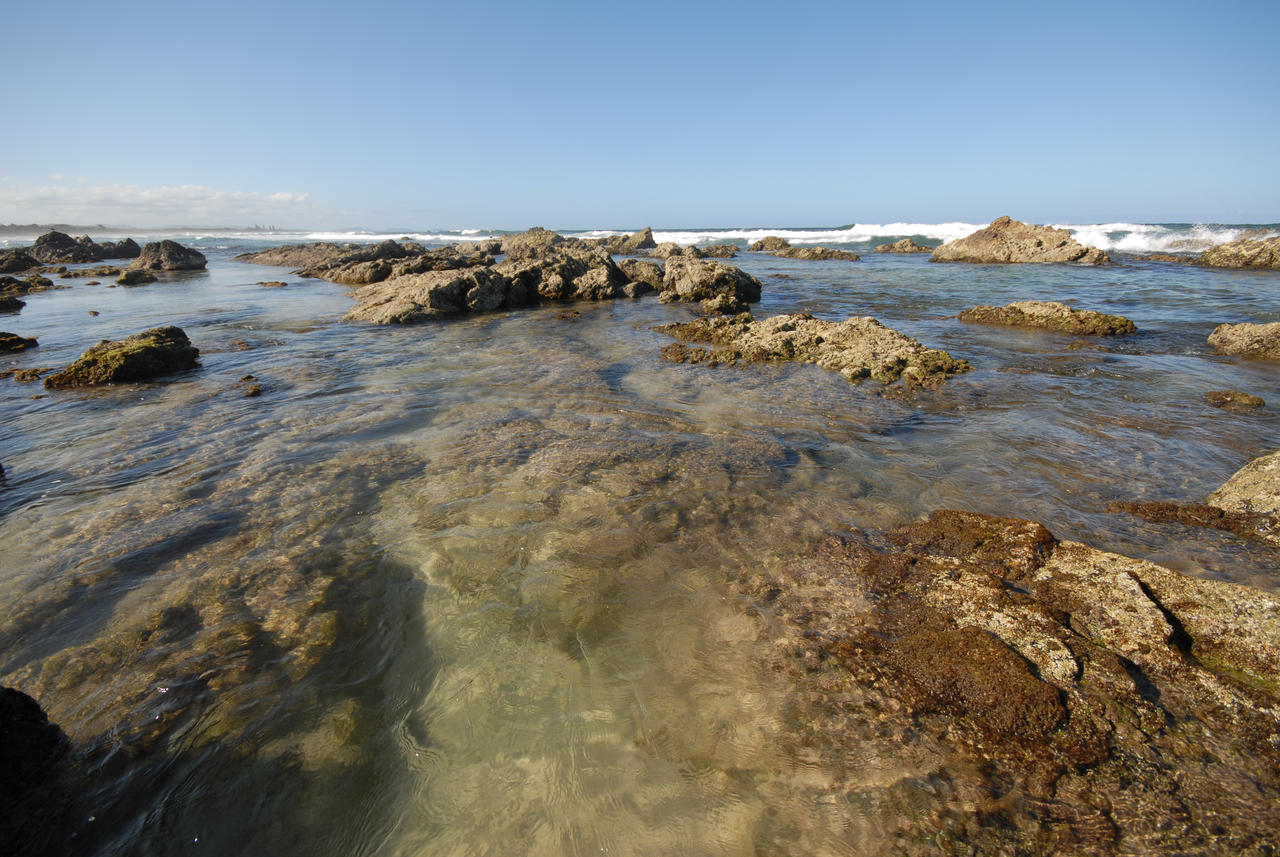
(718,287)
(16,260)
(904,245)
(11,342)
(857,348)
(10,303)
(1050,315)
(59,248)
(1007,240)
(1254,488)
(135,277)
(1079,701)
(1247,340)
(168,256)
(1234,400)
(15,288)
(1260,253)
(149,354)
(31,752)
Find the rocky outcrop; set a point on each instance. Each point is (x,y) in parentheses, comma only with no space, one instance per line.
(168,256)
(1070,695)
(642,271)
(720,288)
(718,251)
(16,261)
(1007,240)
(630,245)
(152,353)
(670,249)
(817,254)
(10,303)
(904,245)
(1247,340)
(1234,400)
(58,248)
(769,244)
(135,277)
(857,348)
(362,264)
(1246,253)
(300,255)
(1254,488)
(13,287)
(11,342)
(1050,315)
(31,751)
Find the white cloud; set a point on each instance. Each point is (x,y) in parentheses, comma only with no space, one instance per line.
(133,205)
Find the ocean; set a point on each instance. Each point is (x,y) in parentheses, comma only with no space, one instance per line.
(461,588)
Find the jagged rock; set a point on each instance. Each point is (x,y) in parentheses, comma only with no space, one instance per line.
(630,245)
(1008,240)
(857,348)
(168,256)
(1050,315)
(10,342)
(417,298)
(1234,400)
(154,352)
(816,254)
(532,244)
(135,277)
(730,288)
(1254,488)
(641,271)
(12,287)
(904,245)
(1245,253)
(718,251)
(1247,340)
(9,303)
(770,244)
(16,261)
(667,250)
(452,258)
(126,249)
(31,750)
(54,248)
(1087,684)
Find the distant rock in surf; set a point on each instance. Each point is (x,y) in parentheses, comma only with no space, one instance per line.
(629,245)
(1247,340)
(1261,253)
(152,353)
(776,246)
(1007,241)
(769,244)
(58,248)
(904,245)
(168,256)
(1050,315)
(718,251)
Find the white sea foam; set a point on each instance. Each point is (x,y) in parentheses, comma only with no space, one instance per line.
(1155,238)
(432,237)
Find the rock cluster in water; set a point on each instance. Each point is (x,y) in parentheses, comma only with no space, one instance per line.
(1247,340)
(1008,240)
(155,352)
(1050,315)
(1075,698)
(857,348)
(1245,253)
(776,246)
(58,248)
(904,245)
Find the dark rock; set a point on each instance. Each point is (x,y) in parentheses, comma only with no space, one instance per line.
(126,249)
(16,260)
(31,752)
(9,303)
(168,256)
(99,271)
(1234,400)
(857,348)
(904,245)
(155,352)
(135,277)
(1050,315)
(11,287)
(770,244)
(698,280)
(59,248)
(1245,253)
(272,284)
(1247,340)
(10,342)
(1008,240)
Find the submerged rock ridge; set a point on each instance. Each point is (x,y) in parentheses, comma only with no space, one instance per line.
(1246,253)
(1247,340)
(857,348)
(775,246)
(1077,701)
(1050,315)
(904,245)
(168,256)
(145,355)
(1008,240)
(58,248)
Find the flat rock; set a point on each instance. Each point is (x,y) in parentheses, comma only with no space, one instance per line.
(11,342)
(1050,315)
(904,245)
(1246,253)
(1247,340)
(1254,488)
(721,288)
(1006,240)
(816,254)
(857,348)
(13,287)
(168,256)
(1234,400)
(152,353)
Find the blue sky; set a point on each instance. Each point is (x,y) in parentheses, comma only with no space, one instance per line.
(395,115)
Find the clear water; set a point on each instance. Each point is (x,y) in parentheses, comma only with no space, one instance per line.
(459,589)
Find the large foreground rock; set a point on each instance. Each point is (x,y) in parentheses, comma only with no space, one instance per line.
(1075,701)
(155,352)
(31,749)
(168,256)
(857,348)
(1008,240)
(1247,340)
(1050,315)
(1245,253)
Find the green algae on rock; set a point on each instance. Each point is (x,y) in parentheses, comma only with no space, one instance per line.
(1050,315)
(1247,340)
(154,352)
(1254,253)
(135,277)
(857,348)
(1234,400)
(1006,240)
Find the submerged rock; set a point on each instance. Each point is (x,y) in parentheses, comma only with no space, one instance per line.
(1245,253)
(299,255)
(1050,315)
(1234,400)
(1247,340)
(10,342)
(1080,701)
(155,352)
(857,348)
(721,288)
(13,287)
(904,245)
(168,256)
(135,277)
(1008,240)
